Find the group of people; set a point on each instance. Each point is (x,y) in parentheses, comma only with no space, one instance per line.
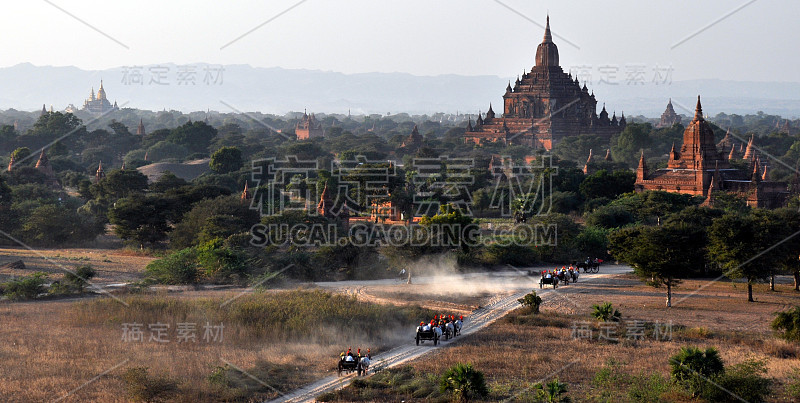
(570,272)
(349,356)
(440,321)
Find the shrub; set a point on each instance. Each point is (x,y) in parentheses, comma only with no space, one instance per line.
(692,367)
(787,324)
(140,386)
(531,300)
(177,268)
(648,388)
(793,386)
(220,263)
(463,382)
(552,391)
(605,312)
(743,381)
(28,287)
(79,278)
(607,381)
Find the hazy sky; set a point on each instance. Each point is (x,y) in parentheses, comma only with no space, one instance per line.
(759,42)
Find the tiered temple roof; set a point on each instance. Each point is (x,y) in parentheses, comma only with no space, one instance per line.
(544,106)
(700,169)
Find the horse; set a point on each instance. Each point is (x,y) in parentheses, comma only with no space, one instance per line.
(574,274)
(449,330)
(457,324)
(365,361)
(562,276)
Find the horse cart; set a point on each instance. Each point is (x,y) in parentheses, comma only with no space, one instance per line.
(426,333)
(551,280)
(590,266)
(350,366)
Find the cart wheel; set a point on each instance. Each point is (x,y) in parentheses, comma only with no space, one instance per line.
(417,339)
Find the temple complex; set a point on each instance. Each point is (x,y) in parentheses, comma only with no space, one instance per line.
(669,117)
(308,127)
(99,103)
(544,106)
(699,168)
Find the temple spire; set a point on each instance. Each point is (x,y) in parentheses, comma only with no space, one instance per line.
(547,36)
(641,171)
(698,110)
(245,193)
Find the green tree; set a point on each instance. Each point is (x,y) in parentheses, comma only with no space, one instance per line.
(118,184)
(7,219)
(635,137)
(662,255)
(165,150)
(610,216)
(168,181)
(55,224)
(141,219)
(226,159)
(605,184)
(195,136)
(20,154)
(790,263)
(747,246)
(119,128)
(212,218)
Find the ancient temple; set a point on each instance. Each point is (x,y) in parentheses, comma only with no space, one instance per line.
(43,166)
(140,128)
(413,141)
(99,103)
(669,117)
(544,106)
(699,168)
(100,174)
(308,127)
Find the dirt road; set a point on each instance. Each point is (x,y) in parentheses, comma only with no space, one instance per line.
(498,307)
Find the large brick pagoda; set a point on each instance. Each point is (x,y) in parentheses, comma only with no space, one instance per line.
(543,107)
(701,169)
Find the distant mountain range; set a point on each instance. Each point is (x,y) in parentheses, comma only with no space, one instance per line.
(245,88)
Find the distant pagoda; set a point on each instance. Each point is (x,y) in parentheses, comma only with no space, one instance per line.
(99,103)
(543,107)
(669,117)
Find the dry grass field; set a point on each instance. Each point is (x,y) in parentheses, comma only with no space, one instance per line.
(523,349)
(113,265)
(75,350)
(284,339)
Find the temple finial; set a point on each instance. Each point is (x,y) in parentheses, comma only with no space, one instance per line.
(698,110)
